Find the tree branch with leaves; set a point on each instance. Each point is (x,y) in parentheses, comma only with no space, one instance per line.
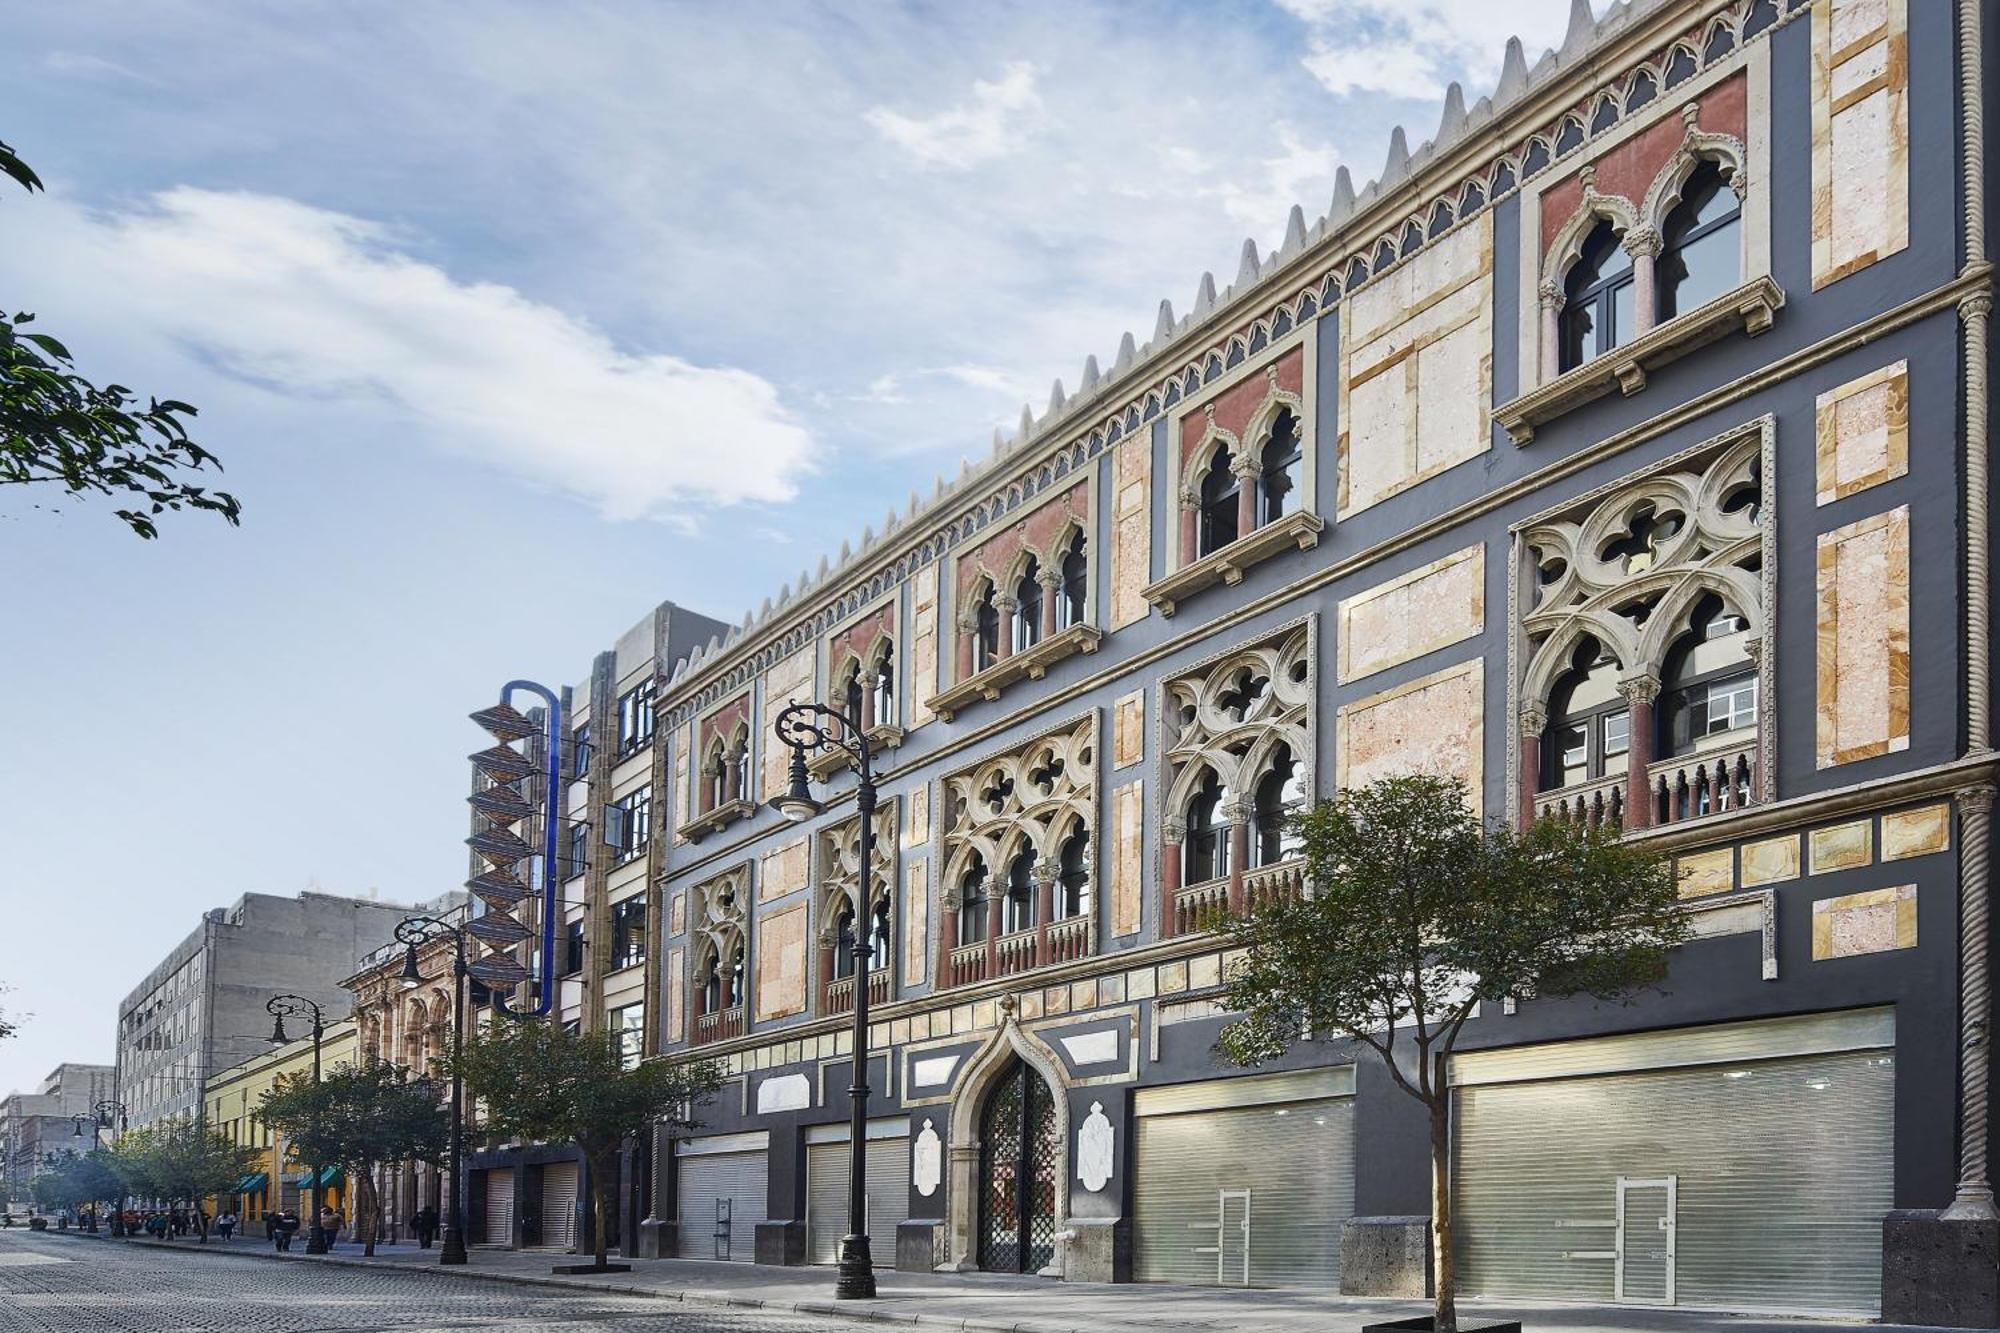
(1419,914)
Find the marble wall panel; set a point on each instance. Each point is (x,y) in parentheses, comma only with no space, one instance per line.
(1918,832)
(916,921)
(1860,135)
(781,963)
(788,681)
(1841,846)
(676,987)
(1128,730)
(1862,433)
(784,870)
(1864,639)
(1700,873)
(1435,724)
(924,644)
(1770,859)
(1131,528)
(1877,921)
(1424,610)
(1128,873)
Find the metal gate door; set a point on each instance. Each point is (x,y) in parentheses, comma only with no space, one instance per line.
(500,1205)
(1243,1195)
(826,1197)
(559,1190)
(721,1202)
(1020,1168)
(1782,1163)
(1646,1225)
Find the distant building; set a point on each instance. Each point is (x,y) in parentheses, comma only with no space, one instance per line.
(36,1125)
(278,1180)
(202,1009)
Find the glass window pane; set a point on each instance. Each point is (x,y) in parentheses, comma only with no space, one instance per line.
(1700,271)
(1617,733)
(1624,323)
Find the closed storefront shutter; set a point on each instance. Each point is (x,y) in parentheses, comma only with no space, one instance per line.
(1253,1193)
(559,1204)
(1744,1177)
(722,1197)
(500,1206)
(826,1196)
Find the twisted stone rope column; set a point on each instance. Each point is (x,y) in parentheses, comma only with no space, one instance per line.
(1973,1198)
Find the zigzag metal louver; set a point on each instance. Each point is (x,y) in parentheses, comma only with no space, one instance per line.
(501,806)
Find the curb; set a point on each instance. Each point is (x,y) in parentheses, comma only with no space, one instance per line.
(817,1308)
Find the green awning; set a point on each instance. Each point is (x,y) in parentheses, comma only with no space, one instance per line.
(332,1175)
(252,1183)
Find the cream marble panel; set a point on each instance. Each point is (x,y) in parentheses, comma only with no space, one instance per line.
(1431,725)
(784,870)
(683,780)
(676,994)
(677,914)
(918,831)
(1770,859)
(1128,729)
(1128,877)
(1864,639)
(1860,135)
(1426,609)
(1131,527)
(781,963)
(788,681)
(1701,873)
(1841,846)
(1863,433)
(924,642)
(1854,924)
(916,921)
(1918,832)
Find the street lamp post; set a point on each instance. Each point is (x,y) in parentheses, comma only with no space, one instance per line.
(803,726)
(98,1118)
(298,1006)
(411,932)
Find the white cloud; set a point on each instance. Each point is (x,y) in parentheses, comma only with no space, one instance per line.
(324,307)
(1413,48)
(993,123)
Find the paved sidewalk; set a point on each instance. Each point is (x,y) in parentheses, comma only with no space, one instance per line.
(989,1303)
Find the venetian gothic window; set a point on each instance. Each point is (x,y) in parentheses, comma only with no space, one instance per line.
(1281,470)
(716,920)
(1281,795)
(724,768)
(1218,504)
(839,859)
(985,631)
(1207,843)
(1027,618)
(1075,582)
(1701,255)
(1598,311)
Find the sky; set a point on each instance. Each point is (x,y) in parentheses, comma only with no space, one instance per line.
(510,320)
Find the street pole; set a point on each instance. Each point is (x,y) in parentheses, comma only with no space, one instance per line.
(411,932)
(297,1006)
(855,1276)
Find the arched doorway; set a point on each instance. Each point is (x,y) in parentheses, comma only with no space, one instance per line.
(1020,1173)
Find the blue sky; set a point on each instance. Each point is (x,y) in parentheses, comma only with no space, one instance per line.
(512,319)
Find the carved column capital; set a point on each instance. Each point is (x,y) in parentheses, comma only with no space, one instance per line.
(1551,294)
(1639,690)
(1047,870)
(1189,497)
(1006,604)
(1975,304)
(1533,719)
(1049,577)
(1244,465)
(1174,829)
(1235,812)
(1974,800)
(1643,241)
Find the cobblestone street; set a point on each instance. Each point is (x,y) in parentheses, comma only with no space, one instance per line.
(68,1285)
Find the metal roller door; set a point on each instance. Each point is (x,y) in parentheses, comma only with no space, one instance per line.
(500,1206)
(722,1197)
(1754,1174)
(1248,1194)
(559,1204)
(888,1195)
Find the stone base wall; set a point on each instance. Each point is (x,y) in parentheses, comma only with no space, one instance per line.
(1940,1273)
(1386,1256)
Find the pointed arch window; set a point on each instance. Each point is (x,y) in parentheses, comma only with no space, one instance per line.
(1709,696)
(1281,470)
(1598,311)
(1073,878)
(843,943)
(985,632)
(1027,620)
(972,903)
(1281,793)
(850,694)
(1217,526)
(1701,255)
(1018,906)
(1207,843)
(884,687)
(1590,726)
(1075,583)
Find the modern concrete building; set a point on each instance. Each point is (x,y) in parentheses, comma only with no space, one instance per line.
(1622,451)
(202,1009)
(38,1125)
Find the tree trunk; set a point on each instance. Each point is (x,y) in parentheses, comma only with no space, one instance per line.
(598,1190)
(369,1207)
(1444,1318)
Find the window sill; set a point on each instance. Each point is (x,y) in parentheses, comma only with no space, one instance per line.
(825,763)
(1028,664)
(714,821)
(1228,564)
(1751,308)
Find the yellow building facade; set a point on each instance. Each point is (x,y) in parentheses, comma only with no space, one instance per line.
(231,1100)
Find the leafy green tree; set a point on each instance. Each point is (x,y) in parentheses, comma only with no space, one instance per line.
(180,1162)
(1419,913)
(76,1181)
(359,1118)
(59,430)
(542,1083)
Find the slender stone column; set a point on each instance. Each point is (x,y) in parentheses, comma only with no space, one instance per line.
(1238,815)
(947,941)
(1046,871)
(968,646)
(1004,648)
(1534,720)
(825,970)
(1643,244)
(1552,303)
(1247,472)
(868,680)
(1051,581)
(994,918)
(1173,834)
(1190,526)
(1639,692)
(1973,1199)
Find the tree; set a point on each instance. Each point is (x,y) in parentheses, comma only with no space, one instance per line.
(1419,913)
(359,1118)
(75,1181)
(542,1083)
(57,429)
(180,1162)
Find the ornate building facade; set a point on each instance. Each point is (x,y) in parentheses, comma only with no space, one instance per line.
(1621,452)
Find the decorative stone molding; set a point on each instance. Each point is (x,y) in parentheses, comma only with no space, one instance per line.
(1231,713)
(715,820)
(1750,308)
(1227,566)
(1031,663)
(1029,799)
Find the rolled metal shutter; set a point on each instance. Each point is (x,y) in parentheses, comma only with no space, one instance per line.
(1781,1171)
(500,1205)
(1245,1196)
(721,1202)
(559,1190)
(826,1198)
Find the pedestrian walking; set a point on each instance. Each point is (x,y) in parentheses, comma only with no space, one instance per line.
(225,1225)
(288,1227)
(425,1224)
(329,1222)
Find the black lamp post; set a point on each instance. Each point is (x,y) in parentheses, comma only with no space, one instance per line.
(298,1006)
(100,1117)
(803,726)
(410,932)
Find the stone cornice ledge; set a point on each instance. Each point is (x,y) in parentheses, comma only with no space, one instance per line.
(714,821)
(1227,565)
(1750,307)
(1030,663)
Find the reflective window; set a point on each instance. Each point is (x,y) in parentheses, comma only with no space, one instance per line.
(1218,505)
(1075,583)
(1207,846)
(1597,309)
(1590,727)
(1283,468)
(1280,794)
(1028,608)
(986,634)
(1019,904)
(1702,248)
(1073,887)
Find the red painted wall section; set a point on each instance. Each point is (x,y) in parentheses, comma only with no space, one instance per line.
(1237,405)
(1630,169)
(722,722)
(860,638)
(1036,530)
